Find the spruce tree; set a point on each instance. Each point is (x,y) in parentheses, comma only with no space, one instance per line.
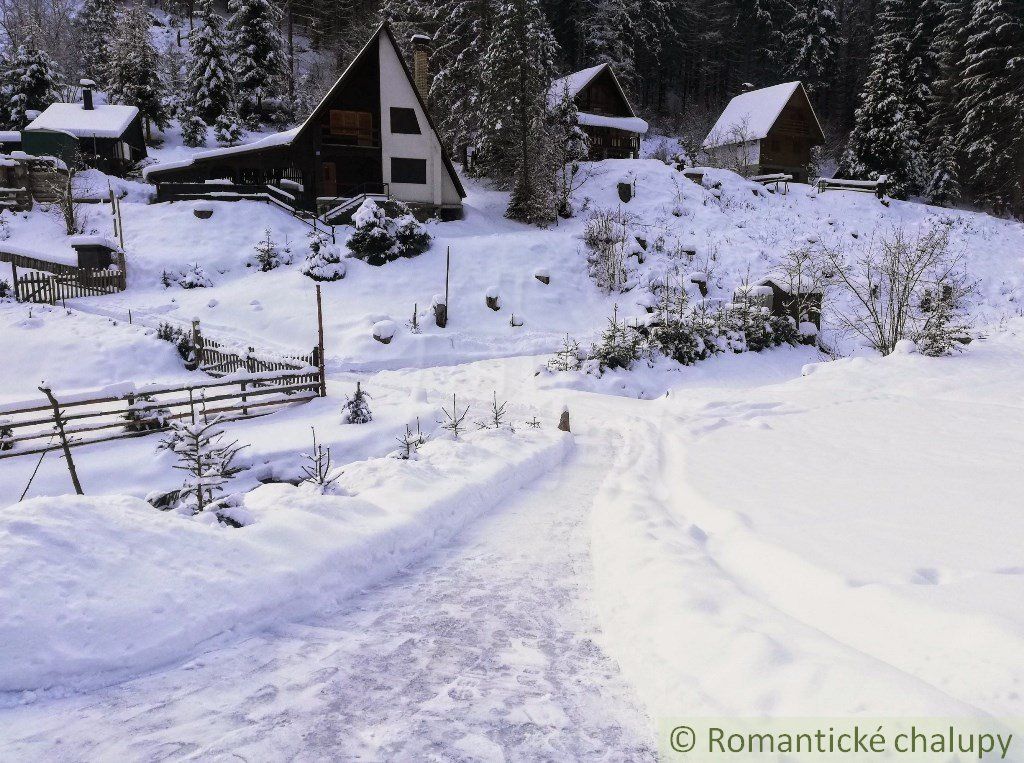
(516,77)
(27,82)
(193,128)
(814,37)
(95,23)
(256,47)
(227,127)
(943,186)
(209,76)
(993,102)
(133,74)
(885,138)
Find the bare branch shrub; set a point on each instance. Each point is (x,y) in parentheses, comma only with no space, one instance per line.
(903,287)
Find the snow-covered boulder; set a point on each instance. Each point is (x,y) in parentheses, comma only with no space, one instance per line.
(493,298)
(384,331)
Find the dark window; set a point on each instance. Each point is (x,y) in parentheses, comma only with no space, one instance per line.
(409,171)
(404,121)
(348,127)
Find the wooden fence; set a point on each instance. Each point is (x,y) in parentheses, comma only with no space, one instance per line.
(126,411)
(50,289)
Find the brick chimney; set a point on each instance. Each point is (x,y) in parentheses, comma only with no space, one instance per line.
(87,86)
(421,64)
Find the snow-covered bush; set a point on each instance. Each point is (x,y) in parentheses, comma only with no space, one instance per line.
(206,459)
(6,435)
(193,128)
(143,416)
(227,129)
(5,227)
(386,232)
(267,256)
(903,287)
(192,277)
(357,408)
(180,338)
(409,443)
(610,240)
(5,289)
(323,263)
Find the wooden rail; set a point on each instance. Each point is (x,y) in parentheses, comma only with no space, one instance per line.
(126,411)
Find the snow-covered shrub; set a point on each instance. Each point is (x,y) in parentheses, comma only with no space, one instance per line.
(386,232)
(227,129)
(182,341)
(619,347)
(267,256)
(679,339)
(323,263)
(357,408)
(193,128)
(5,289)
(143,416)
(409,443)
(5,227)
(610,240)
(902,287)
(6,435)
(206,459)
(317,469)
(192,277)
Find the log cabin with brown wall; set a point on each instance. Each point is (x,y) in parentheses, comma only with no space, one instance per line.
(766,131)
(605,113)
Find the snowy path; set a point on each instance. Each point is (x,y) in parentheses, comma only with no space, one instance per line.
(487,652)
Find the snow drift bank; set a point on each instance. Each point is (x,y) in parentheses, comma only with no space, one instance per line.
(96,589)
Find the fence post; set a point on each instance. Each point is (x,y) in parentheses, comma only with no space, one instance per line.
(14,277)
(249,368)
(320,363)
(197,342)
(59,421)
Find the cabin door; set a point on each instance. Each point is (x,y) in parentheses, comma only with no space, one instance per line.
(329,182)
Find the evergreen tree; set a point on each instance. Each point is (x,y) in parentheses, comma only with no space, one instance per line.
(95,23)
(227,128)
(207,461)
(133,76)
(948,48)
(193,128)
(27,82)
(209,78)
(885,138)
(944,184)
(607,37)
(814,36)
(357,408)
(993,101)
(569,146)
(516,77)
(256,47)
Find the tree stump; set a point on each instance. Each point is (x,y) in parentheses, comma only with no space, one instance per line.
(493,299)
(441,314)
(625,192)
(563,423)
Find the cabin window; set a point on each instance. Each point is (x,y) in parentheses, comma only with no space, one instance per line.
(403,122)
(353,128)
(409,171)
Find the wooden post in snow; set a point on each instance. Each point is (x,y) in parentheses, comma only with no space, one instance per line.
(320,362)
(59,421)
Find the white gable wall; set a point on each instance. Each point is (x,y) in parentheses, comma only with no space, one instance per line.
(396,90)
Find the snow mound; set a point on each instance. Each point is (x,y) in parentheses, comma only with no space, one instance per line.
(99,588)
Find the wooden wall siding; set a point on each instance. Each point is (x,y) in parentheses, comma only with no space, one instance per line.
(601,96)
(102,418)
(791,138)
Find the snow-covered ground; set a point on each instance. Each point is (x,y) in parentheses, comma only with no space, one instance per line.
(765,534)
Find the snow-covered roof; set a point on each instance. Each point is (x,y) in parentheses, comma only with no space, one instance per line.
(276,139)
(751,113)
(630,124)
(575,81)
(102,121)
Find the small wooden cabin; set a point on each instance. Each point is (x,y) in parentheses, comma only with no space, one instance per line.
(106,136)
(605,114)
(771,130)
(370,136)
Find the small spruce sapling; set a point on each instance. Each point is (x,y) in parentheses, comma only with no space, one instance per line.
(409,443)
(497,415)
(267,255)
(6,435)
(323,263)
(454,421)
(5,289)
(357,408)
(568,357)
(208,461)
(533,423)
(318,466)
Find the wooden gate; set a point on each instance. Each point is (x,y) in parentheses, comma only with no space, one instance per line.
(50,289)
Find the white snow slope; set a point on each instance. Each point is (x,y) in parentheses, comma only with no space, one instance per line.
(760,535)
